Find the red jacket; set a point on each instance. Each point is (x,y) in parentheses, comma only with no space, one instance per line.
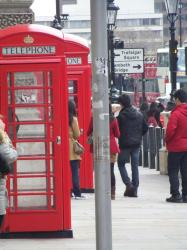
(176,132)
(114,134)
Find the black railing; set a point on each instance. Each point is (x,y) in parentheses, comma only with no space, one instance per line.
(152,144)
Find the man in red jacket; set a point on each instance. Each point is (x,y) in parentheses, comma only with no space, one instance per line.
(176,143)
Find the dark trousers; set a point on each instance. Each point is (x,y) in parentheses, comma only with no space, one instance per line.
(75,177)
(1,220)
(177,161)
(113,179)
(134,158)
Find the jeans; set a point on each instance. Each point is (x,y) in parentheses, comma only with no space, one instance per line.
(122,159)
(177,161)
(75,177)
(113,178)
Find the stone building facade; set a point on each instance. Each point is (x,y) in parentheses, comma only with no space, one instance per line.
(14,12)
(181,23)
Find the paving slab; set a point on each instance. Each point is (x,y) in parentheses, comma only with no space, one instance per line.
(143,223)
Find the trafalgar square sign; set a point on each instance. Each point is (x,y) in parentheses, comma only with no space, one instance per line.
(129,61)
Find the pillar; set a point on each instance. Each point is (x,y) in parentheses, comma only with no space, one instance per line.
(14,12)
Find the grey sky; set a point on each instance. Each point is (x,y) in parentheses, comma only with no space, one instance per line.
(47,7)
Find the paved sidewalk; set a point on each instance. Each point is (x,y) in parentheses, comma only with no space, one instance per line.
(143,223)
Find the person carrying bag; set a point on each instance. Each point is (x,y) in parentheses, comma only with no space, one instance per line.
(8,155)
(74,150)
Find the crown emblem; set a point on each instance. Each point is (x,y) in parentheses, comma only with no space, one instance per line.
(28,39)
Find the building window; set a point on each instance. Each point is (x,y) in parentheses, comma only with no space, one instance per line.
(155,21)
(146,21)
(128,22)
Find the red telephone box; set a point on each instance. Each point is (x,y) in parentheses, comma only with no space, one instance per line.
(33,99)
(79,86)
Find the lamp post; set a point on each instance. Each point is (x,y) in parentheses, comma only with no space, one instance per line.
(171,8)
(58,22)
(112,10)
(180,22)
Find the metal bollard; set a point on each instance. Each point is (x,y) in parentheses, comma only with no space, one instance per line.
(152,147)
(163,137)
(145,148)
(158,133)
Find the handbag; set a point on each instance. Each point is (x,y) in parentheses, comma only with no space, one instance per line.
(78,148)
(5,168)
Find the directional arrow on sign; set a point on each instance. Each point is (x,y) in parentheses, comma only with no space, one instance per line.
(116,54)
(137,66)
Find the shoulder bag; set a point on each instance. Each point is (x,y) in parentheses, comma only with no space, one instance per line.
(5,168)
(78,148)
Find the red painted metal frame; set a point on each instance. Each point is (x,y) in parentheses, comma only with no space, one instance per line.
(50,219)
(82,73)
(66,46)
(82,76)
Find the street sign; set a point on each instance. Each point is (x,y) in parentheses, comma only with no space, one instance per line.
(129,67)
(129,61)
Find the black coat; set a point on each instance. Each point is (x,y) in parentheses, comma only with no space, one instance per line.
(132,126)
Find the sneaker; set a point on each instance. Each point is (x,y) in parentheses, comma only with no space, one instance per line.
(82,197)
(175,199)
(184,198)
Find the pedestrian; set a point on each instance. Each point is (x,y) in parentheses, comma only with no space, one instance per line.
(132,127)
(176,143)
(114,148)
(8,155)
(3,191)
(151,115)
(158,116)
(74,133)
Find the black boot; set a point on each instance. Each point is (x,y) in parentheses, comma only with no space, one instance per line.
(184,198)
(134,193)
(175,199)
(129,190)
